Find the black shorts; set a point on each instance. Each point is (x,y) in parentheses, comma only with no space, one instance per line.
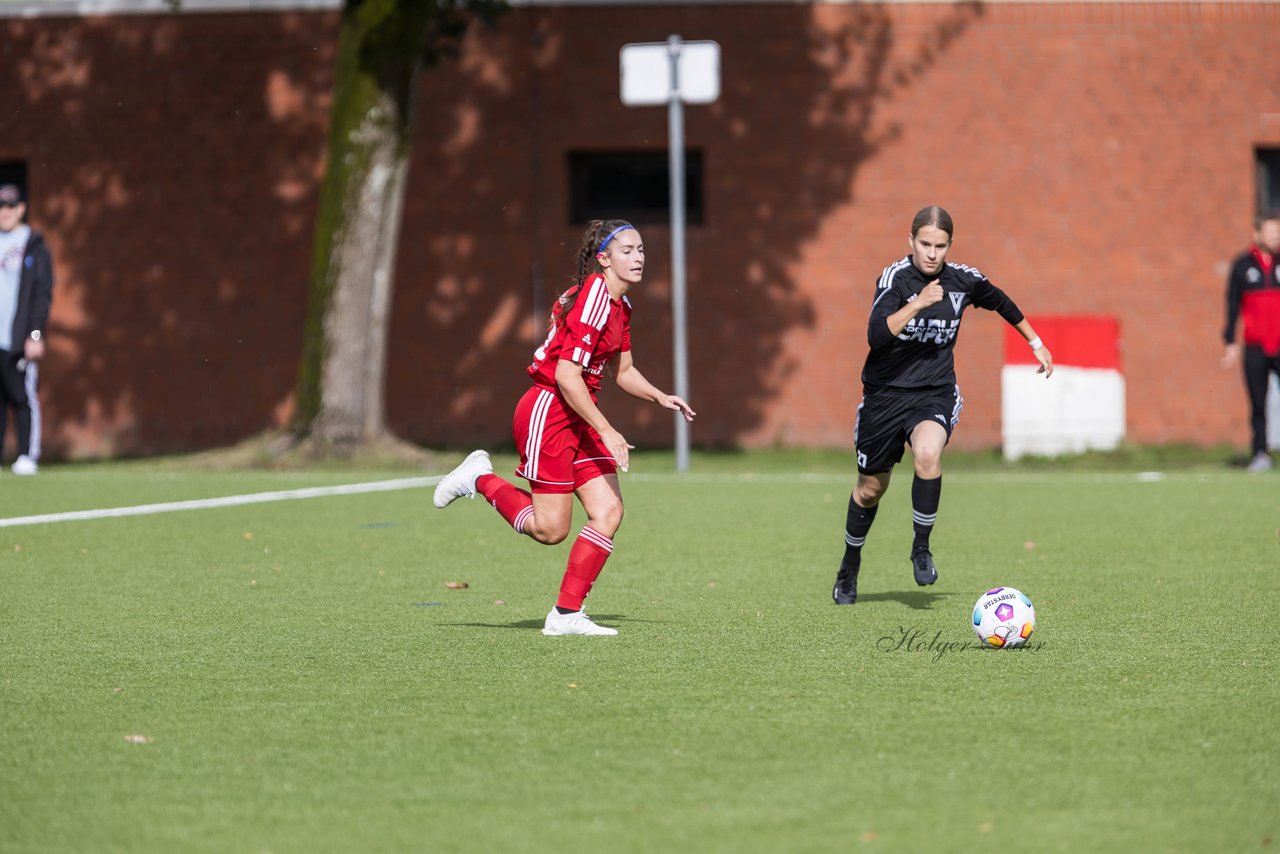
(886,418)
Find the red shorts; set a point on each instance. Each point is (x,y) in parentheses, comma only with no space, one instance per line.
(559,452)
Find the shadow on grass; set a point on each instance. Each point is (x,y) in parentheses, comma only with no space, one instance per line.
(917,600)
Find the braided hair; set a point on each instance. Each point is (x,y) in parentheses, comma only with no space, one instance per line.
(598,231)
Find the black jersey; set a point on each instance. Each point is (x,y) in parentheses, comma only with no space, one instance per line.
(922,355)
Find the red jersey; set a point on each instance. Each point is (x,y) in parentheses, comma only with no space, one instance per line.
(594,330)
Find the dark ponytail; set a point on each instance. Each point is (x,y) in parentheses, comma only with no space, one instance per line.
(597,231)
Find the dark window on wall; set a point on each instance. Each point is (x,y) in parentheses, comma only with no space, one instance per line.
(630,185)
(1268,160)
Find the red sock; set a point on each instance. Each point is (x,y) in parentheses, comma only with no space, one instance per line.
(512,503)
(586,559)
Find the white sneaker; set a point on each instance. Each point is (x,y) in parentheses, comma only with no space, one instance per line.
(575,623)
(461,482)
(24,465)
(1261,462)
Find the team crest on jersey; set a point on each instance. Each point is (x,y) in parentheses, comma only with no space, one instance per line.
(1253,275)
(957,300)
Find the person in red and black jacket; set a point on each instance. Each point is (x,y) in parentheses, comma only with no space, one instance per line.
(1253,295)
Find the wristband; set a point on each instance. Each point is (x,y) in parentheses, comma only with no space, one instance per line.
(1036,343)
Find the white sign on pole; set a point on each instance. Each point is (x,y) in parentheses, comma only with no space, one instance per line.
(674,72)
(646,73)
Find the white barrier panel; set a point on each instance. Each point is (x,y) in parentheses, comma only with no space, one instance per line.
(1077,409)
(1081,407)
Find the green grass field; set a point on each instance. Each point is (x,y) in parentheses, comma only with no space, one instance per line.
(297,677)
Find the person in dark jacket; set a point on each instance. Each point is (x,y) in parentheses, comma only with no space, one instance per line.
(26,292)
(1253,295)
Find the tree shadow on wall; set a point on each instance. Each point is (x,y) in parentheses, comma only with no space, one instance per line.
(488,242)
(173,163)
(174,159)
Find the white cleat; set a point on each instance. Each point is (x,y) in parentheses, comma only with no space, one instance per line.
(24,465)
(575,623)
(1261,462)
(461,482)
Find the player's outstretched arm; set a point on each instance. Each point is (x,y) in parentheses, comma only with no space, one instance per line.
(1041,352)
(1045,358)
(634,383)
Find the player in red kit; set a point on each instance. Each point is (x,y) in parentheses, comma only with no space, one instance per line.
(567,446)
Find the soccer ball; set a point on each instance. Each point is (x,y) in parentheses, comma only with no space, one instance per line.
(1004,617)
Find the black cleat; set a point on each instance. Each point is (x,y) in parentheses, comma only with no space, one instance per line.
(845,591)
(922,565)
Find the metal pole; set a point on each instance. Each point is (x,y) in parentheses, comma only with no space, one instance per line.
(675,126)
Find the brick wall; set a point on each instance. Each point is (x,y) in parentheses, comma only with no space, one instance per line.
(173,164)
(1098,158)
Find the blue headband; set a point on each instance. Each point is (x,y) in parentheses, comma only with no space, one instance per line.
(611,236)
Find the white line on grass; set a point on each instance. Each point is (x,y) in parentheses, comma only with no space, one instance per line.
(850,477)
(739,477)
(226,501)
(1015,477)
(668,477)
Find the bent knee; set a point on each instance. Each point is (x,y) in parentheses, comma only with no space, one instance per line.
(928,461)
(867,497)
(605,517)
(549,535)
(611,517)
(549,538)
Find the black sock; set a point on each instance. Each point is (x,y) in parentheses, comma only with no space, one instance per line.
(925,495)
(856,524)
(560,610)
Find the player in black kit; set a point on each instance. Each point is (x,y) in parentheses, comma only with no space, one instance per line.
(909,391)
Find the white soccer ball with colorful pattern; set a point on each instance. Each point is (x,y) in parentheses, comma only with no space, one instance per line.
(1004,617)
